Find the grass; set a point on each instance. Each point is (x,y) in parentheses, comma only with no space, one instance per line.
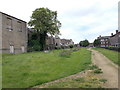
(83,82)
(31,69)
(112,55)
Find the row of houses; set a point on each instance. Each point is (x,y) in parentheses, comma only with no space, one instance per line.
(56,42)
(113,40)
(53,42)
(14,35)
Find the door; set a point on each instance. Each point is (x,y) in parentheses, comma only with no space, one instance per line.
(23,49)
(11,49)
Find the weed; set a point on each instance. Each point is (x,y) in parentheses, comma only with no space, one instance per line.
(103,80)
(92,67)
(80,80)
(97,71)
(65,53)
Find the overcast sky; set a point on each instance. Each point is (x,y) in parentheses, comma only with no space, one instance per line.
(81,19)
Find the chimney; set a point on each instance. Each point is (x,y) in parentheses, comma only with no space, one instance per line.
(111,34)
(116,31)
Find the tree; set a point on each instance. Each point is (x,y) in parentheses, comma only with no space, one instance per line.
(96,43)
(84,43)
(45,22)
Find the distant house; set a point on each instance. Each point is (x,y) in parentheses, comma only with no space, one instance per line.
(13,34)
(66,42)
(104,41)
(50,42)
(115,39)
(57,41)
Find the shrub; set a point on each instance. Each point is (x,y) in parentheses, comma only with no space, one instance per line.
(36,48)
(71,46)
(62,47)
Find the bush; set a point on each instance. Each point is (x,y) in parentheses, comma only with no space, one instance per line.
(36,48)
(113,48)
(62,47)
(71,46)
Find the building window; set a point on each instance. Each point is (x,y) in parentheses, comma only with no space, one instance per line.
(19,26)
(102,39)
(9,24)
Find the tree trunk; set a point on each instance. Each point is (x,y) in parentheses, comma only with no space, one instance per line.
(43,40)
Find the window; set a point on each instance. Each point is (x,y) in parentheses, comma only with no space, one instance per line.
(9,24)
(102,39)
(19,26)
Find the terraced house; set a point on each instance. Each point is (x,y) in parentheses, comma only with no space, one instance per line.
(113,40)
(13,35)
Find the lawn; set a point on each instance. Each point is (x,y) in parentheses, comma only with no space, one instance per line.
(31,69)
(112,55)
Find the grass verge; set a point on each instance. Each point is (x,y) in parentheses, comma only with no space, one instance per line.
(112,55)
(31,69)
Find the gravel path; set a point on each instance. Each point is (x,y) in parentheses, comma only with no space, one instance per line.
(110,70)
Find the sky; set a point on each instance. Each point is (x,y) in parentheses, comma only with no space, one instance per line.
(81,19)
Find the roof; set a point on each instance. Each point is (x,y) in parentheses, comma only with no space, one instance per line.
(104,37)
(12,17)
(115,34)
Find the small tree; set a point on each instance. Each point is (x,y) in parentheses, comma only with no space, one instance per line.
(45,22)
(96,43)
(84,43)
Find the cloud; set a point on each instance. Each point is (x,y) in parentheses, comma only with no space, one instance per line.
(81,19)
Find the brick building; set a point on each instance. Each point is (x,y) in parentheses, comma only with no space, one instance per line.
(13,35)
(104,41)
(113,40)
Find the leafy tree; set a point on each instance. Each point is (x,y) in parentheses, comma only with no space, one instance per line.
(45,22)
(71,46)
(84,43)
(96,43)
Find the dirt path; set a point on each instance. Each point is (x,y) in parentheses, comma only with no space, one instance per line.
(110,70)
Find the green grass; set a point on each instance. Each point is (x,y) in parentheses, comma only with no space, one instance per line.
(83,82)
(31,69)
(112,55)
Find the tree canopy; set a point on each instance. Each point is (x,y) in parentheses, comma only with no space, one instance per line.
(45,22)
(84,43)
(96,43)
